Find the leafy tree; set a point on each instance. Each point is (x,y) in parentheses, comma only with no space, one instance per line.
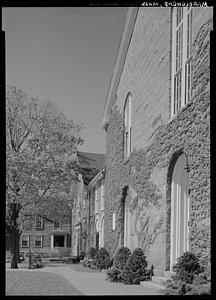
(41,162)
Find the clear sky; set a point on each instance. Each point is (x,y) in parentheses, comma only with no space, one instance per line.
(66,55)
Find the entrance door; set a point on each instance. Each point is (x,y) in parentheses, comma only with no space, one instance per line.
(179,210)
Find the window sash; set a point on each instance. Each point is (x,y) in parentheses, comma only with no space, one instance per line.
(38,222)
(24,241)
(38,240)
(57,224)
(182,58)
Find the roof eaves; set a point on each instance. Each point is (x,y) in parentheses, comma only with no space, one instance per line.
(121,56)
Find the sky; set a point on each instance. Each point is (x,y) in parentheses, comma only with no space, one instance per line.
(65,55)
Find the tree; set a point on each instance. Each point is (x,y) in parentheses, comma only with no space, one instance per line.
(41,162)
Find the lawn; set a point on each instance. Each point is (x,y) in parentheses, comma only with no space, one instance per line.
(37,283)
(80,268)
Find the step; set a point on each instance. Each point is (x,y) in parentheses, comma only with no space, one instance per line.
(169,274)
(151,284)
(159,280)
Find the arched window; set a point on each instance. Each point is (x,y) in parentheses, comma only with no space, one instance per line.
(180,210)
(97,233)
(127,126)
(102,232)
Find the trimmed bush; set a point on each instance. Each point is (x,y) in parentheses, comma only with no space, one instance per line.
(121,257)
(36,261)
(187,266)
(114,274)
(201,289)
(102,259)
(135,268)
(92,252)
(89,263)
(176,287)
(190,278)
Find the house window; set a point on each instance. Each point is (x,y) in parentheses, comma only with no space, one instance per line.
(181,57)
(25,240)
(57,224)
(38,240)
(127,126)
(38,222)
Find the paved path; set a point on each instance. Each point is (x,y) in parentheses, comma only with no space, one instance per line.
(96,283)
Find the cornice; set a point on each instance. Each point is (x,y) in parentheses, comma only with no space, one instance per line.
(121,56)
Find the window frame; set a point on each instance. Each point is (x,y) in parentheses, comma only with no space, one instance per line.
(41,240)
(24,246)
(181,79)
(60,225)
(113,221)
(38,227)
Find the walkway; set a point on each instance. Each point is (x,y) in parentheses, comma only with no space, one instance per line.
(96,283)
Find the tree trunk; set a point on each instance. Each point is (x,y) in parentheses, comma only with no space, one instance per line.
(18,248)
(15,207)
(14,249)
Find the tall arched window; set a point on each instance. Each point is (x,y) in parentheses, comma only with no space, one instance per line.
(127,126)
(180,210)
(102,233)
(97,233)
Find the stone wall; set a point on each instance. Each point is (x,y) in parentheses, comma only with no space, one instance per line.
(158,140)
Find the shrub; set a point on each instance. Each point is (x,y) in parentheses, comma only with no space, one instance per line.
(201,289)
(135,268)
(121,257)
(102,259)
(82,255)
(36,261)
(75,259)
(89,263)
(187,266)
(114,274)
(176,287)
(92,252)
(190,278)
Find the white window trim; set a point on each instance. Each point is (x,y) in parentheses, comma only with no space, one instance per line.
(36,222)
(41,238)
(60,225)
(184,102)
(97,228)
(114,221)
(176,201)
(23,246)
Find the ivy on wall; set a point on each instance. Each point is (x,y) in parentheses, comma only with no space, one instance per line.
(189,133)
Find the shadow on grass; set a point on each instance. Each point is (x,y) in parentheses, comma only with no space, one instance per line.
(37,283)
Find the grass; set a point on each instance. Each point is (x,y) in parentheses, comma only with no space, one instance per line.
(37,283)
(80,268)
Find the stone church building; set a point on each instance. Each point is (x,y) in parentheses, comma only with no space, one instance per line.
(157,123)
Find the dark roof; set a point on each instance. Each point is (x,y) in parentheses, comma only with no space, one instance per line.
(90,164)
